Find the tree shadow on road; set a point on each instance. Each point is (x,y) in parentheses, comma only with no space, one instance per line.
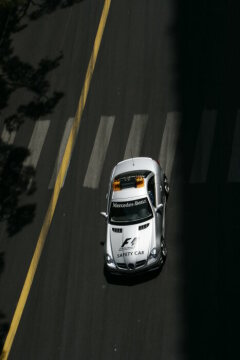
(14,182)
(43,7)
(16,179)
(4,325)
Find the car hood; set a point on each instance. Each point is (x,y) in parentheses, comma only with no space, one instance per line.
(131,243)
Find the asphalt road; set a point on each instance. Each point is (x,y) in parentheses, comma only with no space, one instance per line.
(159,59)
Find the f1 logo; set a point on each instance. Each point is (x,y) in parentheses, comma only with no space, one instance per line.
(126,241)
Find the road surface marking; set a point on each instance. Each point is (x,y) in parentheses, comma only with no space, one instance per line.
(61,174)
(36,142)
(234,169)
(169,142)
(99,151)
(8,137)
(203,147)
(62,148)
(136,135)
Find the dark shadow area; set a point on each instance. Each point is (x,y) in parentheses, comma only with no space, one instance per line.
(14,182)
(17,179)
(1,262)
(34,9)
(19,75)
(39,8)
(207,38)
(4,325)
(130,280)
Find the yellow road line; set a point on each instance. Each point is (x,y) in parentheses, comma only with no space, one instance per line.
(61,175)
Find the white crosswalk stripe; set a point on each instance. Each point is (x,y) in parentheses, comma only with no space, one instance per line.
(8,137)
(36,142)
(99,151)
(203,147)
(136,135)
(61,153)
(234,168)
(169,142)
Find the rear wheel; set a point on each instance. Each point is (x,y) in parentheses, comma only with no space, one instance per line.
(166,187)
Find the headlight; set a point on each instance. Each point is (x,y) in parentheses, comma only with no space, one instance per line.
(154,253)
(109,260)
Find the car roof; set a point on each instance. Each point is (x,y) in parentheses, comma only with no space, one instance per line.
(140,164)
(129,194)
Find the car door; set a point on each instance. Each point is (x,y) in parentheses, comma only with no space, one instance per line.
(153,187)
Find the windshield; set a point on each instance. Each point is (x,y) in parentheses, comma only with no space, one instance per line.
(130,211)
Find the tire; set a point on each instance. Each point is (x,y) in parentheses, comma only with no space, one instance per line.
(166,187)
(163,249)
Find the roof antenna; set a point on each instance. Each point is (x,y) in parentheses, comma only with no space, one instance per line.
(132,158)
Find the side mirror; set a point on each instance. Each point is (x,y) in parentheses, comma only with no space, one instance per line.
(159,208)
(104,214)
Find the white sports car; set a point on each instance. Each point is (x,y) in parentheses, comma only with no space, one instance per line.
(136,205)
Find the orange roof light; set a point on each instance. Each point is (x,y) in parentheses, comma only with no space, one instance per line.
(116,185)
(139,181)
